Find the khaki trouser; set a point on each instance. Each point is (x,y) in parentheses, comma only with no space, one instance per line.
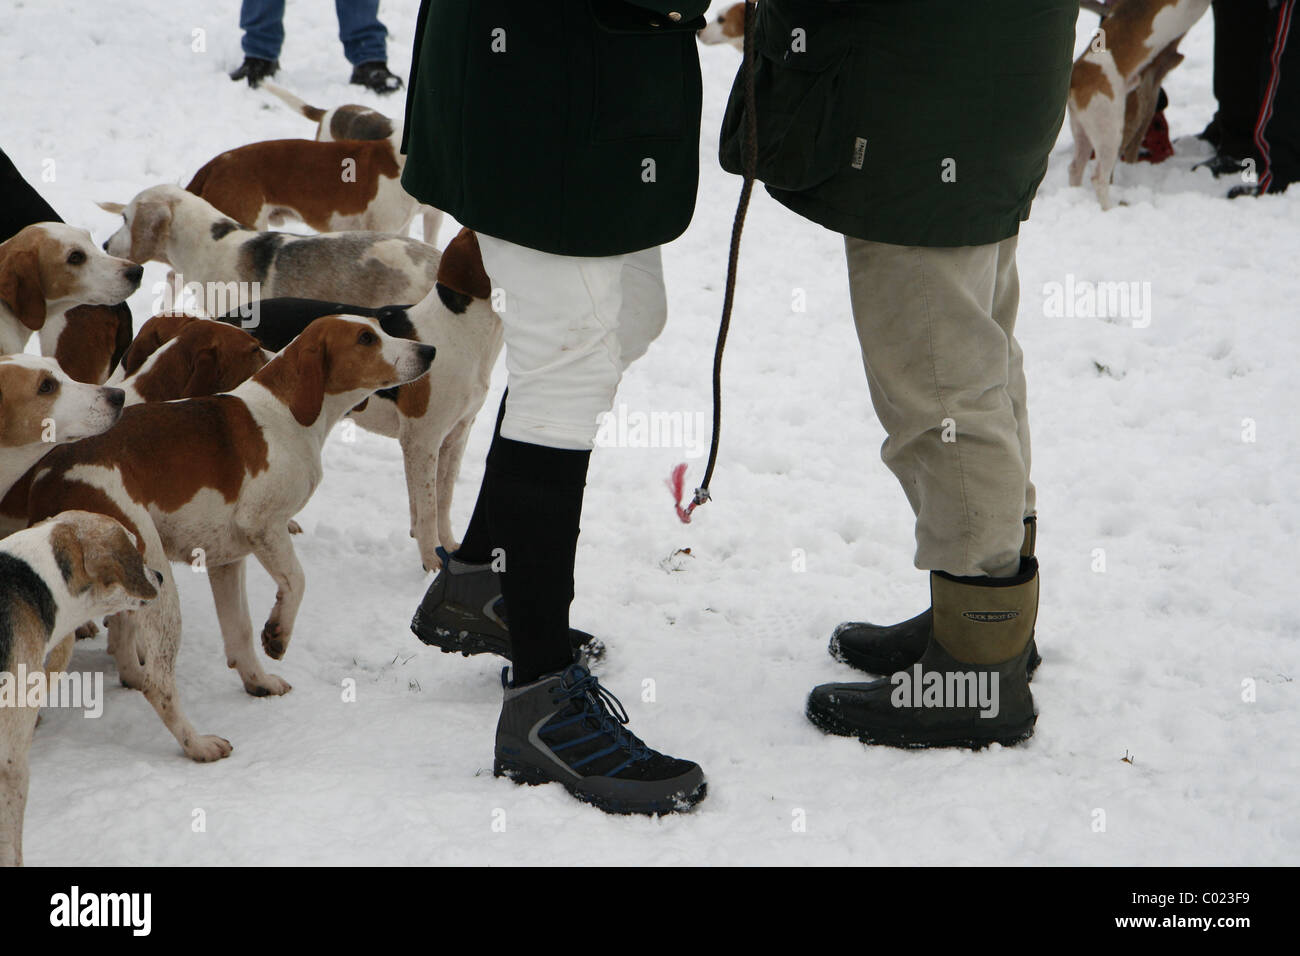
(948,383)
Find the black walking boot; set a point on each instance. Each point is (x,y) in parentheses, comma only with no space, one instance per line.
(565,728)
(463,611)
(377,77)
(886,648)
(969,688)
(255,70)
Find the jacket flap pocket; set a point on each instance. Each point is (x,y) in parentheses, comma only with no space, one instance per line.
(625,16)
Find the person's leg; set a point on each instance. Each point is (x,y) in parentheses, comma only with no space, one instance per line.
(1240,46)
(564,358)
(462,610)
(1006,305)
(1277,130)
(939,365)
(263,24)
(887,648)
(476,546)
(365,38)
(942,366)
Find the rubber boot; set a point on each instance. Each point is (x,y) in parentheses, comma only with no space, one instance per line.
(886,648)
(969,688)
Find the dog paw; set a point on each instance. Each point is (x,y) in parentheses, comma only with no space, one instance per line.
(268,686)
(208,748)
(86,631)
(274,640)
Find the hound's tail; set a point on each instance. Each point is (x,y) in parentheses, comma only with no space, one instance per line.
(313,113)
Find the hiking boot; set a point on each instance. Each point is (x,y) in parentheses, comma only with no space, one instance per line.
(255,70)
(1222,164)
(376,76)
(463,611)
(565,728)
(887,648)
(969,688)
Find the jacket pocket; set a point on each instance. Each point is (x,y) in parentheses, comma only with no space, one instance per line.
(800,65)
(646,74)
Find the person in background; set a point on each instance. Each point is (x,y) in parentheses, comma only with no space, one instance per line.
(1256,129)
(365,42)
(566,135)
(920,131)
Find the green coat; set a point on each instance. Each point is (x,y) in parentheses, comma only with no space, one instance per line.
(913,122)
(569,126)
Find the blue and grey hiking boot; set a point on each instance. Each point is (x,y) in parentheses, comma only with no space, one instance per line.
(566,728)
(463,611)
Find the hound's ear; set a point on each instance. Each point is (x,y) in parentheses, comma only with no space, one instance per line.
(461,276)
(205,375)
(69,557)
(160,329)
(116,208)
(21,289)
(149,227)
(309,383)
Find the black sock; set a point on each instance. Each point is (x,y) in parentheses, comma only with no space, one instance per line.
(535,507)
(476,548)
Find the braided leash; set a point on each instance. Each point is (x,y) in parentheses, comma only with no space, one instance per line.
(750,161)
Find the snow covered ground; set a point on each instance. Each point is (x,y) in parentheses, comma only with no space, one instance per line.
(1167,449)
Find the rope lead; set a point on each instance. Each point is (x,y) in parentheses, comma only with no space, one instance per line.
(750,161)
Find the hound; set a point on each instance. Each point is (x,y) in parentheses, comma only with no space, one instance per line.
(729,27)
(48,272)
(235,265)
(1136,34)
(214,480)
(41,406)
(52,577)
(430,418)
(353,121)
(330,186)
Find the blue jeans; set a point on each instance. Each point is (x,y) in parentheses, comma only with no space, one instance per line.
(363,36)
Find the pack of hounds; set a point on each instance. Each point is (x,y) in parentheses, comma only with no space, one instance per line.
(204,432)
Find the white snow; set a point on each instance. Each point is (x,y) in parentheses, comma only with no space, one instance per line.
(1138,451)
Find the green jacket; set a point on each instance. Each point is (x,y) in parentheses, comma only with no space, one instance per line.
(569,126)
(913,122)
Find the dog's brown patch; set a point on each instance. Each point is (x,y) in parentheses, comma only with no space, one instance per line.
(165,453)
(202,358)
(91,341)
(413,398)
(21,289)
(1087,79)
(160,329)
(23,408)
(461,267)
(303,175)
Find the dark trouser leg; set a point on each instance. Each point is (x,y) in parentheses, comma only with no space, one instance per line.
(534,509)
(476,547)
(365,39)
(1277,132)
(263,24)
(1241,31)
